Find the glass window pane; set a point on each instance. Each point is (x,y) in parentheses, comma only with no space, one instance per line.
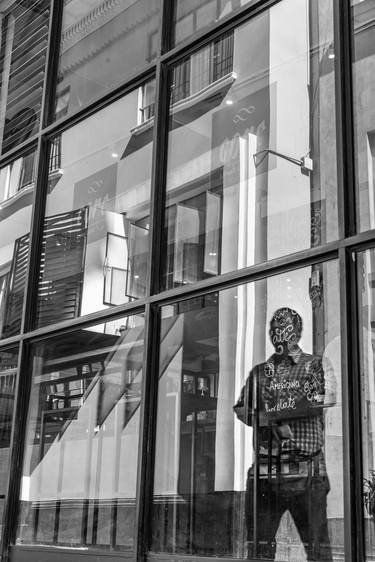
(8,374)
(248,459)
(80,463)
(24,37)
(95,237)
(194,15)
(252,154)
(366,310)
(363,17)
(103,44)
(17,181)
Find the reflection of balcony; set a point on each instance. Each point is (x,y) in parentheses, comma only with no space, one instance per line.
(18,179)
(183,111)
(21,199)
(200,84)
(197,104)
(21,177)
(203,68)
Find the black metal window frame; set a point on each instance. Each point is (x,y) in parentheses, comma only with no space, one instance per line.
(344,249)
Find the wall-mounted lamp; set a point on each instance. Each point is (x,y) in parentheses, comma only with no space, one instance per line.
(305,163)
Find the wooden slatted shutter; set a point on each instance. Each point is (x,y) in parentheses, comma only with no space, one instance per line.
(62,267)
(16,287)
(61,272)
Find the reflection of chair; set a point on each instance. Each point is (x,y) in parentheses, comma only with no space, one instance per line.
(18,128)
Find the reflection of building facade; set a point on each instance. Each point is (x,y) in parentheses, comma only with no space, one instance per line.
(171,173)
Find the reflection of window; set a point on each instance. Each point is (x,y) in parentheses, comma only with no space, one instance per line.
(147,109)
(203,68)
(194,232)
(186,250)
(17,175)
(54,166)
(10,177)
(28,171)
(125,267)
(138,259)
(55,154)
(115,269)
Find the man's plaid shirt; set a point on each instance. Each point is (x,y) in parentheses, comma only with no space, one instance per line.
(287,433)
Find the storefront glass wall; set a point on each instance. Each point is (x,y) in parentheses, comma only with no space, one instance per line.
(242,444)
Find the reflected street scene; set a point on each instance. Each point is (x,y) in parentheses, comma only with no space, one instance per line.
(251,169)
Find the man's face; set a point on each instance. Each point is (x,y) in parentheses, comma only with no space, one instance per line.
(284,334)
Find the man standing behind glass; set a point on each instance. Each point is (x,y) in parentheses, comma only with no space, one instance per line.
(283,399)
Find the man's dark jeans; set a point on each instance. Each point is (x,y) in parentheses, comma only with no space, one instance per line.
(308,509)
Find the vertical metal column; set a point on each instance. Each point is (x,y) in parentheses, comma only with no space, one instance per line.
(151,340)
(353,524)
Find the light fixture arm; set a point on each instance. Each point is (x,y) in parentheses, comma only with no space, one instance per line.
(305,163)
